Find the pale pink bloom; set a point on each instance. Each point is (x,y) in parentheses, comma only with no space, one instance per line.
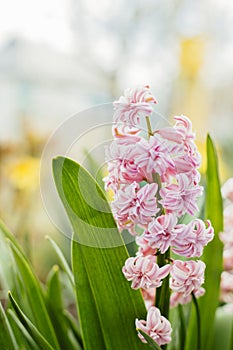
(179,298)
(226,287)
(182,197)
(187,163)
(227,189)
(148,297)
(156,326)
(135,103)
(192,238)
(228,218)
(143,247)
(228,258)
(122,169)
(184,127)
(227,238)
(181,132)
(187,276)
(144,272)
(161,232)
(134,205)
(153,156)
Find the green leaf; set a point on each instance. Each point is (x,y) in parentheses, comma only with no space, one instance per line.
(107,305)
(7,340)
(21,334)
(62,259)
(149,340)
(214,251)
(32,330)
(56,307)
(212,256)
(35,299)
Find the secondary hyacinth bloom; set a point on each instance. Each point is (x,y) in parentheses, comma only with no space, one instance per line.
(227,189)
(133,205)
(135,103)
(226,285)
(156,326)
(226,294)
(161,233)
(144,272)
(187,276)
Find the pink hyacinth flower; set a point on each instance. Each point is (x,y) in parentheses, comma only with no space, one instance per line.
(187,276)
(134,104)
(143,247)
(153,156)
(192,238)
(144,272)
(184,127)
(121,164)
(181,198)
(156,326)
(161,233)
(134,205)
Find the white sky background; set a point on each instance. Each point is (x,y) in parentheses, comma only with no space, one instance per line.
(41,20)
(101,25)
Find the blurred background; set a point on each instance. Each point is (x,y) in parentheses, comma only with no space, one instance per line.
(59,57)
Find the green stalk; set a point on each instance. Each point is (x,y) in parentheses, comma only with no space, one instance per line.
(198,322)
(163,292)
(182,332)
(149,128)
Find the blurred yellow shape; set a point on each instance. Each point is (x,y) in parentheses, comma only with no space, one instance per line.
(191,56)
(24,174)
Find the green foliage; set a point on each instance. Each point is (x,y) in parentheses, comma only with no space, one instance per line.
(106,303)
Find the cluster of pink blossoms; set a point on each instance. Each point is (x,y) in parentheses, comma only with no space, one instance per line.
(227,239)
(155,181)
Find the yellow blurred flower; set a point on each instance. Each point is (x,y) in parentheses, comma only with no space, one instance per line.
(191,56)
(24,174)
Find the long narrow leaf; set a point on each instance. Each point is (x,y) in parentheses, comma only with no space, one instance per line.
(35,298)
(212,257)
(62,259)
(22,337)
(213,252)
(32,330)
(55,307)
(105,299)
(7,340)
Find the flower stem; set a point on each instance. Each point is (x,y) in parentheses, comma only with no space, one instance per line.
(198,322)
(163,292)
(149,128)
